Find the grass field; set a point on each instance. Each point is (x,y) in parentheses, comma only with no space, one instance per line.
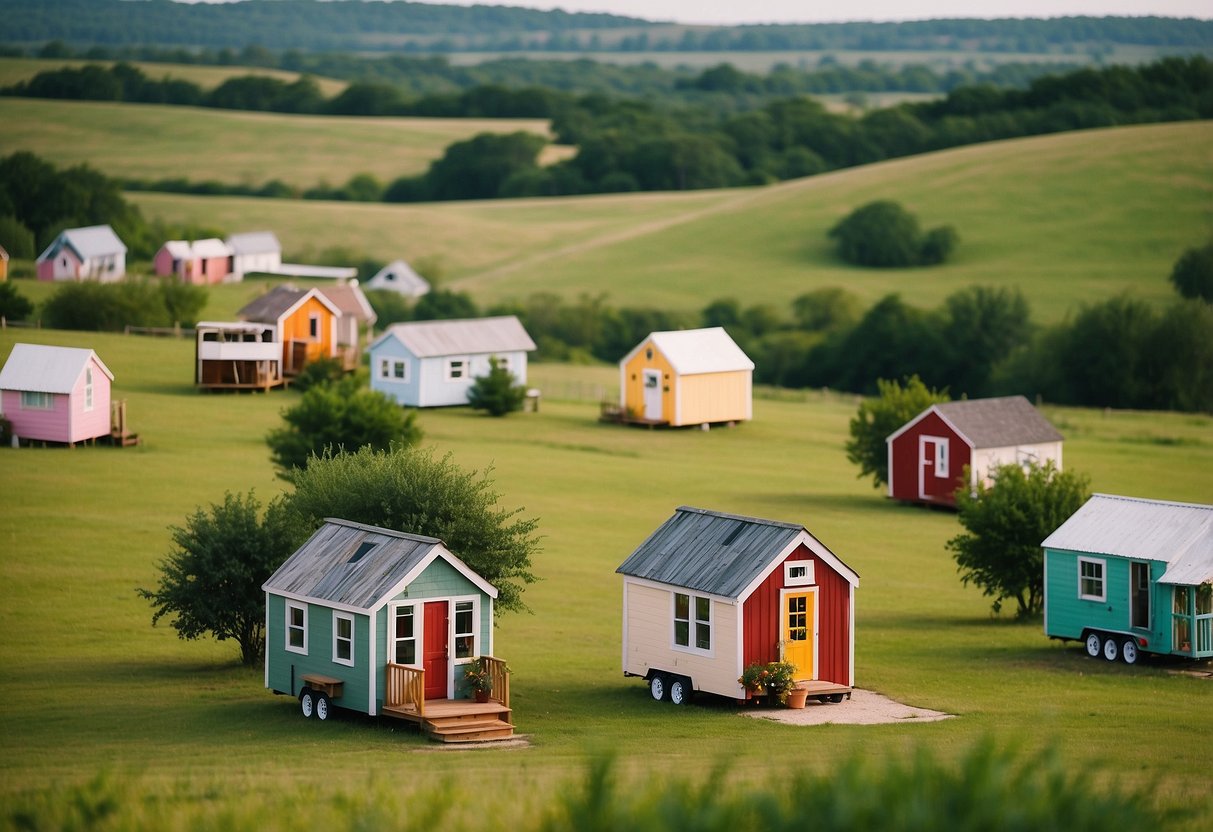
(91,686)
(1068,218)
(145,141)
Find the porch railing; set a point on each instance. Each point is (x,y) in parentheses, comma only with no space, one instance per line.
(1204,635)
(405,686)
(499,675)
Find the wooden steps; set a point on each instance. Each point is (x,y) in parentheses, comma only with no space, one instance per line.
(459,720)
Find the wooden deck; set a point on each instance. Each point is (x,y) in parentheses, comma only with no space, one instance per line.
(458,720)
(818,688)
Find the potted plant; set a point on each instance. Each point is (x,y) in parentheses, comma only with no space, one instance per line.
(774,679)
(754,679)
(476,674)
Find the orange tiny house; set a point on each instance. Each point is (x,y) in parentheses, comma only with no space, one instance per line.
(305,320)
(688,377)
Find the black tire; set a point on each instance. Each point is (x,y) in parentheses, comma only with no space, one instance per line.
(835,698)
(307,703)
(680,690)
(1129,653)
(659,687)
(324,707)
(1111,649)
(1093,645)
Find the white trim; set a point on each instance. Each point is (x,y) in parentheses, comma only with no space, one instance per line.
(88,389)
(932,409)
(888,450)
(437,551)
(1045,592)
(290,605)
(1103,579)
(393,609)
(934,441)
(344,616)
(474,600)
(851,608)
(623,652)
(372,669)
(266,661)
(809,578)
(651,584)
(784,592)
(692,622)
(740,635)
(465,368)
(676,392)
(815,546)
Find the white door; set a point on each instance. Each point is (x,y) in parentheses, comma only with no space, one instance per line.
(652,395)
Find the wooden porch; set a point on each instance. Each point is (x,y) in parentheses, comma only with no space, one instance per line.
(450,720)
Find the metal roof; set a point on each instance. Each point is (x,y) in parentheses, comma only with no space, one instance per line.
(399,276)
(350,300)
(1180,534)
(466,336)
(211,247)
(38,368)
(696,351)
(713,552)
(178,249)
(90,241)
(321,569)
(254,242)
(277,302)
(994,423)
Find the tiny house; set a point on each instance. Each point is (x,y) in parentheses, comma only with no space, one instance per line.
(202,262)
(688,377)
(384,623)
(235,355)
(435,363)
(1126,576)
(709,593)
(254,251)
(304,321)
(55,394)
(398,276)
(928,454)
(356,320)
(90,253)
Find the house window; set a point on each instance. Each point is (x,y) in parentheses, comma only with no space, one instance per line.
(941,458)
(296,628)
(1091,579)
(393,369)
(502,361)
(343,638)
(313,326)
(31,400)
(692,621)
(465,629)
(456,369)
(799,573)
(404,637)
(88,388)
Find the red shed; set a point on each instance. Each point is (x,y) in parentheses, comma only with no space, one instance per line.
(710,593)
(928,454)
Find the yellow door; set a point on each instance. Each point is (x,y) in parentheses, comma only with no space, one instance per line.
(798,632)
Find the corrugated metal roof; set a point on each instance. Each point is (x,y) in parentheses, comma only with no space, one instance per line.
(38,368)
(695,351)
(90,241)
(1180,534)
(254,242)
(467,336)
(321,570)
(995,423)
(710,551)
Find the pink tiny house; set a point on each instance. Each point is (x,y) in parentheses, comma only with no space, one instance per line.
(55,394)
(201,262)
(91,253)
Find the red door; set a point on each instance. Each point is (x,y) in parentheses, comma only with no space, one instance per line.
(435,657)
(934,480)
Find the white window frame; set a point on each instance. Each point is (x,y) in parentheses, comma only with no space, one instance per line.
(393,640)
(313,326)
(337,639)
(290,606)
(941,458)
(449,368)
(37,400)
(1103,579)
(455,634)
(88,389)
(799,573)
(394,370)
(693,622)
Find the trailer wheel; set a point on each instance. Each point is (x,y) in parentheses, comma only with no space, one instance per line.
(1128,651)
(307,703)
(1111,650)
(836,698)
(1093,645)
(323,706)
(657,686)
(680,690)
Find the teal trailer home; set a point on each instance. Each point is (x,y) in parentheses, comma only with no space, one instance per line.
(1128,576)
(385,623)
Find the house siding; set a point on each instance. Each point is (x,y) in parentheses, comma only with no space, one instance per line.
(44,425)
(1067,615)
(319,658)
(407,393)
(649,628)
(632,382)
(67,420)
(713,397)
(905,463)
(296,329)
(986,460)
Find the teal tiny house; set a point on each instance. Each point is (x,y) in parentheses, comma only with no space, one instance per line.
(1129,576)
(383,622)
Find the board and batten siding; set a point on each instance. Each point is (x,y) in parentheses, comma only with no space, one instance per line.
(713,397)
(296,328)
(905,463)
(319,658)
(986,460)
(67,420)
(1067,614)
(632,382)
(649,641)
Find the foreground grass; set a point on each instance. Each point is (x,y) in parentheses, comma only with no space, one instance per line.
(93,687)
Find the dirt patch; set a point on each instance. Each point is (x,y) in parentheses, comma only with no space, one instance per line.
(863,708)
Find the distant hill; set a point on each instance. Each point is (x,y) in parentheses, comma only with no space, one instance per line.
(318,25)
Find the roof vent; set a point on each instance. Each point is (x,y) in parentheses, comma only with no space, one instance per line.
(363,549)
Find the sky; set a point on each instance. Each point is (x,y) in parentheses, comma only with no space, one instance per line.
(816,11)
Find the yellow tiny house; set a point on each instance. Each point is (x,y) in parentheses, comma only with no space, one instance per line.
(689,377)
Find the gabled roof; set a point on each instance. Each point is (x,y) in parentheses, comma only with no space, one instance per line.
(211,247)
(1180,534)
(90,241)
(254,242)
(401,277)
(38,368)
(991,423)
(465,336)
(328,569)
(178,249)
(348,298)
(279,302)
(695,351)
(718,553)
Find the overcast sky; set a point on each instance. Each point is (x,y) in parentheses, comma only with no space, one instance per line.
(816,11)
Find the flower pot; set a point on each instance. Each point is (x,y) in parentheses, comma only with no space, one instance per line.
(482,696)
(797,697)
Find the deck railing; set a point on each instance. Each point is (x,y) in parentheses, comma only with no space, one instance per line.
(1204,635)
(405,686)
(499,674)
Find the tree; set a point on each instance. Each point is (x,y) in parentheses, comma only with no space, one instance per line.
(1192,275)
(339,416)
(1006,522)
(879,417)
(13,305)
(407,489)
(884,234)
(497,392)
(210,583)
(983,326)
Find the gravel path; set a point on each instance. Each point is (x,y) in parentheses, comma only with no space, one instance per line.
(863,708)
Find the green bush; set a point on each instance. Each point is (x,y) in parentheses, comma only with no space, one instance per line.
(13,306)
(497,393)
(17,240)
(105,307)
(1192,275)
(884,234)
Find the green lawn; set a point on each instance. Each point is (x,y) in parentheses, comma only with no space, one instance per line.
(91,686)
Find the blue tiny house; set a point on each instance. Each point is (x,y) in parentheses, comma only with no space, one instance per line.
(1126,575)
(383,622)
